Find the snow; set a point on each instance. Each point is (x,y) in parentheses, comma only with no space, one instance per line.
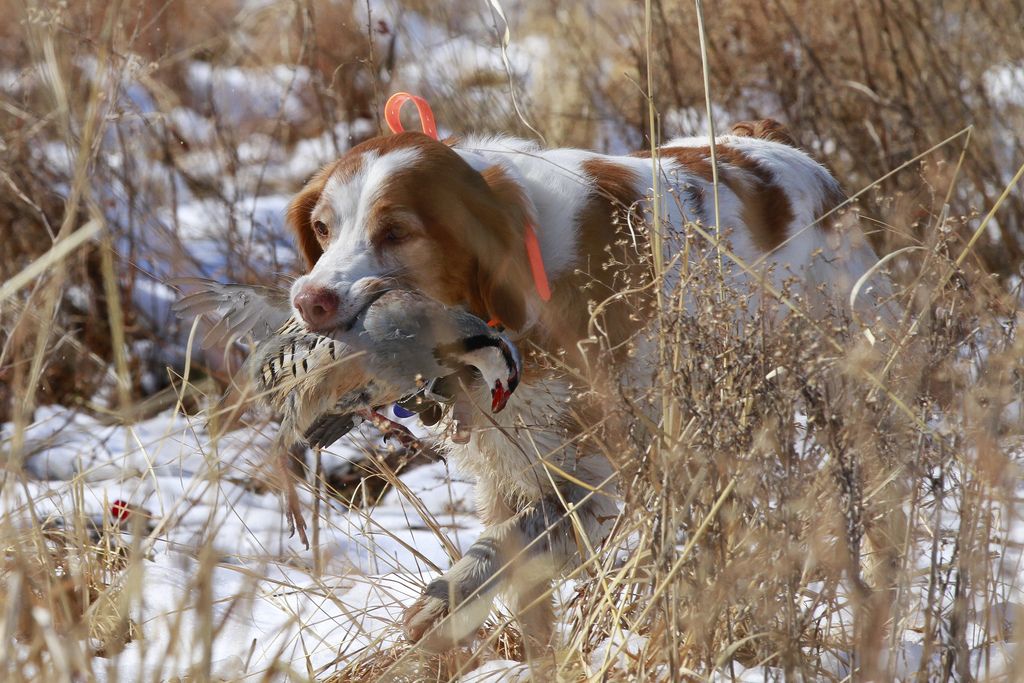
(615,652)
(241,94)
(203,496)
(284,612)
(1004,84)
(499,671)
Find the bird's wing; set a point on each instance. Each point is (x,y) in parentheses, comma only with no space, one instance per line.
(288,359)
(241,309)
(329,427)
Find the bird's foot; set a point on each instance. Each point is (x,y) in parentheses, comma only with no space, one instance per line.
(391,429)
(461,415)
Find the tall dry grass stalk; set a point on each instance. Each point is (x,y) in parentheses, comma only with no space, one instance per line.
(810,500)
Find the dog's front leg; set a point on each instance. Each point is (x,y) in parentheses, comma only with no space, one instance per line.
(518,557)
(469,586)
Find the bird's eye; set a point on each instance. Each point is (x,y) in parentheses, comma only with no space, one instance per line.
(321,229)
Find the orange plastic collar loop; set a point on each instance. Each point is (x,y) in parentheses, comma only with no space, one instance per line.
(392,110)
(540,276)
(394,106)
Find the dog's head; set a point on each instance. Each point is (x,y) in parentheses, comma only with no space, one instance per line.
(406,211)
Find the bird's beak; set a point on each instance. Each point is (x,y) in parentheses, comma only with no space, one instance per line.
(499,397)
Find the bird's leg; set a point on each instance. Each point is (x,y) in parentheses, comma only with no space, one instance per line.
(389,428)
(462,412)
(286,458)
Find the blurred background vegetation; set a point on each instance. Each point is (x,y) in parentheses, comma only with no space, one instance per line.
(183,128)
(211,104)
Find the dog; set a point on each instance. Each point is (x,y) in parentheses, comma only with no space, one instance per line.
(451,219)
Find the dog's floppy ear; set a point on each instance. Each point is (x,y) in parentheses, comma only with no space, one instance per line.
(503,274)
(299,211)
(501,294)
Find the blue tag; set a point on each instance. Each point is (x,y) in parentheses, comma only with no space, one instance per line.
(401,412)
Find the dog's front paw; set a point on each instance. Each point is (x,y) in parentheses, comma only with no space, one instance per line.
(433,625)
(422,616)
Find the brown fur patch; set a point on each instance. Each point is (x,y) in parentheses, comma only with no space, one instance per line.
(474,254)
(299,210)
(766,211)
(696,160)
(502,294)
(614,191)
(615,185)
(765,129)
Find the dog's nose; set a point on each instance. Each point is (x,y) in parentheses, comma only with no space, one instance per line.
(318,306)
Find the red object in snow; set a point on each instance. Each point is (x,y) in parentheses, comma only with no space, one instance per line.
(120,510)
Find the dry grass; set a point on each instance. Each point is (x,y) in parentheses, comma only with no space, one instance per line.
(811,545)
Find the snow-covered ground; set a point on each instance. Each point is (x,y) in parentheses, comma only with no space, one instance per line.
(272,600)
(208,517)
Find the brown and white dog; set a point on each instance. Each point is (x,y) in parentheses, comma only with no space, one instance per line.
(448,220)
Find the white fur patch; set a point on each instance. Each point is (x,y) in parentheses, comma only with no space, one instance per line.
(349,259)
(352,198)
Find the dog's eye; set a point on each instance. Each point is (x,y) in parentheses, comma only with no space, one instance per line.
(321,229)
(393,233)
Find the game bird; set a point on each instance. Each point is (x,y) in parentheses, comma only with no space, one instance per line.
(402,347)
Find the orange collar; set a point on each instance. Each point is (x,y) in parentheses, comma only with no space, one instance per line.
(391,116)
